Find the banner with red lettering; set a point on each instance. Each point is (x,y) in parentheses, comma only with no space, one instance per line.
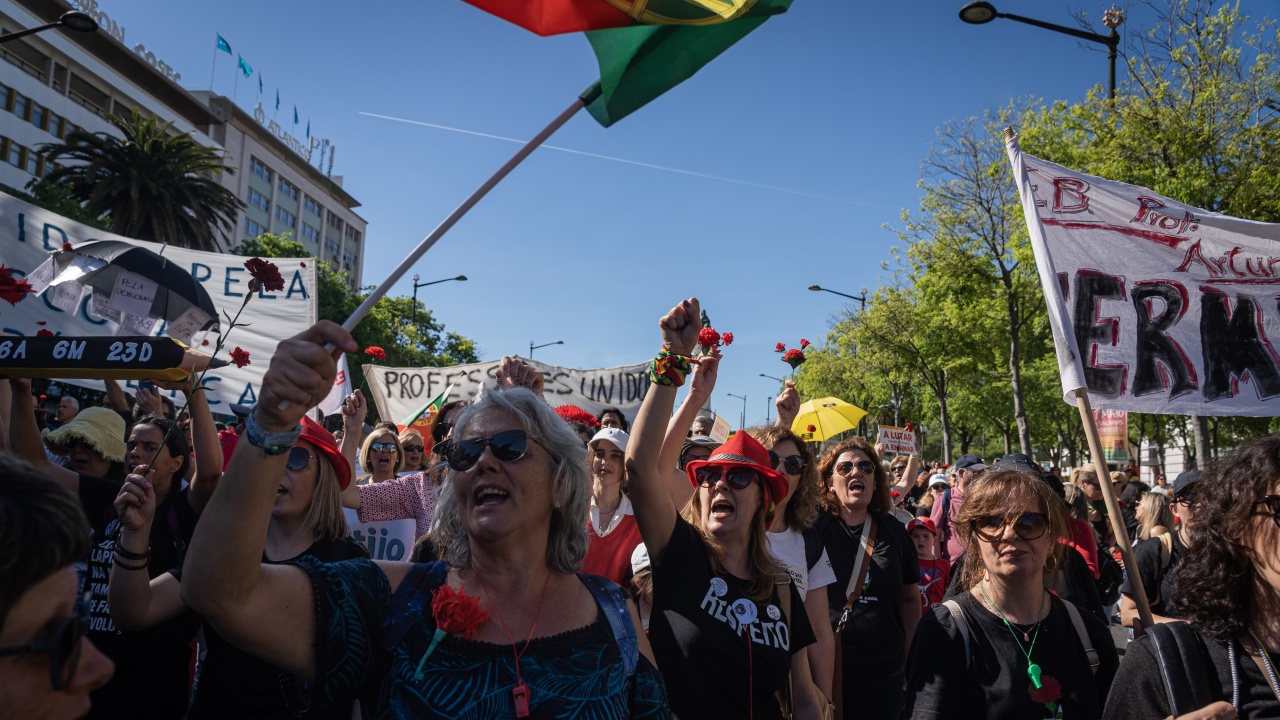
(1156,306)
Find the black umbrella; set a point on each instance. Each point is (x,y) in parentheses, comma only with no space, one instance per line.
(177,291)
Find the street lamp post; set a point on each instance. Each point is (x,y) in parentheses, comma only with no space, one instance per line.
(73,20)
(743,398)
(417,285)
(982,12)
(533,347)
(772,377)
(860,298)
(768,406)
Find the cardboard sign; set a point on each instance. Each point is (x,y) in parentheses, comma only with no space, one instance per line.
(389,540)
(896,440)
(1113,428)
(720,429)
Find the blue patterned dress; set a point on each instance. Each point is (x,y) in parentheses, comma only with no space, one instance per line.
(368,645)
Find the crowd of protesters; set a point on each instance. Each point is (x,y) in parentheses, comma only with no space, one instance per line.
(159,565)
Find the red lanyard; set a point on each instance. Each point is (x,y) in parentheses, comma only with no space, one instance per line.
(520,693)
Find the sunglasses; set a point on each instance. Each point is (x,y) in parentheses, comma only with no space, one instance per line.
(736,477)
(793,464)
(686,459)
(866,467)
(414,448)
(62,646)
(507,446)
(1272,503)
(1028,526)
(441,448)
(440,430)
(299,458)
(383,447)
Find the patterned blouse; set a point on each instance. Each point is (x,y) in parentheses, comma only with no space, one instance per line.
(369,644)
(412,496)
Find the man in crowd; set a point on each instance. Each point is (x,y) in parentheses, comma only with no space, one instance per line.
(948,505)
(68,408)
(702,426)
(1158,558)
(612,417)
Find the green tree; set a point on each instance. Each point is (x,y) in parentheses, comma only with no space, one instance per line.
(151,184)
(56,197)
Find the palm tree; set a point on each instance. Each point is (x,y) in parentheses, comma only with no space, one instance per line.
(152,184)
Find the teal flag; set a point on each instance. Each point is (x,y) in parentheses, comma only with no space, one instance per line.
(223,45)
(295,114)
(259,83)
(277,99)
(308,127)
(244,67)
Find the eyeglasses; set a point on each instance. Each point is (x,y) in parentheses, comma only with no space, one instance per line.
(442,448)
(383,447)
(507,446)
(1273,507)
(62,646)
(1028,526)
(1188,499)
(299,459)
(866,467)
(440,430)
(737,477)
(686,459)
(793,464)
(414,448)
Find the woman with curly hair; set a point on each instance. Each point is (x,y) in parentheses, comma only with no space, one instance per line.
(793,543)
(1228,587)
(878,606)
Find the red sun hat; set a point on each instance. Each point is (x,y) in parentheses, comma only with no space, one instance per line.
(313,433)
(742,450)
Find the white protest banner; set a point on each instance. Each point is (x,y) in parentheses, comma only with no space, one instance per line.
(1155,306)
(28,234)
(387,540)
(899,441)
(399,392)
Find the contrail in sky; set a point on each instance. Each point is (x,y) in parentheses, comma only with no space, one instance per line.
(632,162)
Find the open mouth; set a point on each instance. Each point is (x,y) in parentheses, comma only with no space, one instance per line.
(490,496)
(721,509)
(857,485)
(281,491)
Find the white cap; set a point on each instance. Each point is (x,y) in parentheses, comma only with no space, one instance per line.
(938,478)
(614,435)
(639,559)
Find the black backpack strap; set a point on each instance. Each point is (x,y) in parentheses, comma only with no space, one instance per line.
(944,522)
(1182,666)
(812,547)
(613,603)
(411,603)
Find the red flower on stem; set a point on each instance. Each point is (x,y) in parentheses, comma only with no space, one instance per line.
(780,348)
(265,275)
(375,352)
(708,338)
(240,357)
(575,414)
(66,247)
(1050,690)
(44,333)
(456,612)
(812,428)
(794,358)
(728,338)
(12,290)
(803,343)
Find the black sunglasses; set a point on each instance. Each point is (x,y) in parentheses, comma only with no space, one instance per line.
(793,464)
(414,448)
(62,646)
(299,458)
(866,467)
(737,477)
(1028,526)
(382,446)
(440,429)
(1273,507)
(507,446)
(1187,498)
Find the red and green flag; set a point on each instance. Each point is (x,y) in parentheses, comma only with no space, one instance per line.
(424,418)
(643,48)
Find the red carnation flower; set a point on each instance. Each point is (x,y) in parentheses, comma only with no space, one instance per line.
(575,414)
(265,275)
(375,352)
(803,343)
(12,289)
(780,348)
(44,333)
(205,342)
(1050,690)
(812,428)
(66,247)
(708,338)
(794,358)
(456,612)
(728,338)
(240,357)
(908,427)
(304,265)
(896,494)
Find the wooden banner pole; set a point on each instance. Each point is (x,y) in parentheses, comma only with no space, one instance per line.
(1113,505)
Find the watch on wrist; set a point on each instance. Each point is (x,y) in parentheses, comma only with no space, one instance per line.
(271,443)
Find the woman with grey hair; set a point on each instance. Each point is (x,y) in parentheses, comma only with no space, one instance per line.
(419,640)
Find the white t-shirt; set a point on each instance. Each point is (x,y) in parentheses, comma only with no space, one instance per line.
(788,549)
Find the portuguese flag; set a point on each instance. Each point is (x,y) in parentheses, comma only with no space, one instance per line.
(644,47)
(424,418)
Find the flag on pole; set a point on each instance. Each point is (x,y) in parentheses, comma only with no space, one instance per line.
(332,403)
(223,45)
(277,98)
(308,128)
(425,417)
(1155,306)
(295,114)
(244,66)
(259,83)
(639,62)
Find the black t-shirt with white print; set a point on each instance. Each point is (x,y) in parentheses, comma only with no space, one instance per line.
(874,639)
(714,646)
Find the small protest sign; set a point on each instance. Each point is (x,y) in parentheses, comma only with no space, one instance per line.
(896,440)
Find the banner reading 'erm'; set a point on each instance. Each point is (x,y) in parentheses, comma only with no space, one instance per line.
(1156,306)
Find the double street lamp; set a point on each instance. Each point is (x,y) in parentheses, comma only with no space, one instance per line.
(72,20)
(982,12)
(417,285)
(860,298)
(533,347)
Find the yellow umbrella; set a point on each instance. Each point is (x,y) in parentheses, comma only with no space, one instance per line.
(825,418)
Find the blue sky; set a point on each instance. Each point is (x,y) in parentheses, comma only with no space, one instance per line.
(836,101)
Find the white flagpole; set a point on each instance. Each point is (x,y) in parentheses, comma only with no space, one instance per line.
(214,70)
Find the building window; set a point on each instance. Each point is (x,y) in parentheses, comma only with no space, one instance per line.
(21,104)
(313,206)
(5,95)
(287,218)
(257,200)
(32,165)
(287,189)
(310,233)
(55,124)
(38,115)
(253,229)
(257,168)
(334,222)
(331,249)
(14,156)
(349,259)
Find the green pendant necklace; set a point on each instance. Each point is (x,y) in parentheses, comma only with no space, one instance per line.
(1033,670)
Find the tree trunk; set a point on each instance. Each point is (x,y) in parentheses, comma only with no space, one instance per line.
(1200,429)
(945,421)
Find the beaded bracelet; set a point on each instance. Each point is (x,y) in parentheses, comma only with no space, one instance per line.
(669,368)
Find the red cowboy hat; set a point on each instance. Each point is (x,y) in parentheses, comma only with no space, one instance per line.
(313,433)
(742,450)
